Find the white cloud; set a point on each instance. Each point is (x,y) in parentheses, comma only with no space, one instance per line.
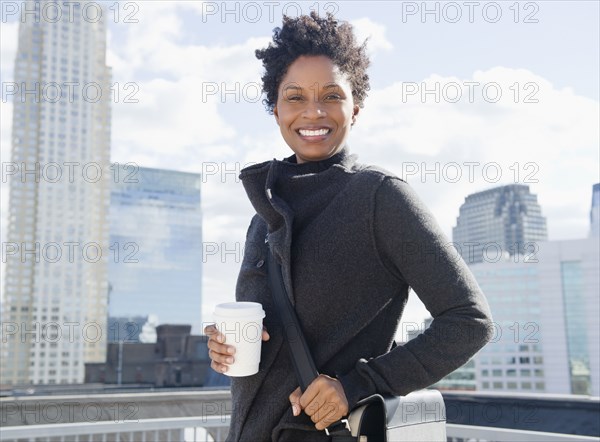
(168,120)
(9,37)
(552,142)
(365,27)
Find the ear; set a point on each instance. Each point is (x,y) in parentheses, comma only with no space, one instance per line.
(355,111)
(276,114)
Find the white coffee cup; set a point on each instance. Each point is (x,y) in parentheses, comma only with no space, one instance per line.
(241,324)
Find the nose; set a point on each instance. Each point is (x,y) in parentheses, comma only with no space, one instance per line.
(314,109)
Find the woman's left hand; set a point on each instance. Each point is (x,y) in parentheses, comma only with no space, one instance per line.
(324,401)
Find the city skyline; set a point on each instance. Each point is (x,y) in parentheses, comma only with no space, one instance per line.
(180,57)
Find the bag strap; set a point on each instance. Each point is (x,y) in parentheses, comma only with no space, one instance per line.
(304,365)
(306,370)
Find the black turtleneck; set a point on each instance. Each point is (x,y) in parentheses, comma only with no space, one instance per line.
(305,188)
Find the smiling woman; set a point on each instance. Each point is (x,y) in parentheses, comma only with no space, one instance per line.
(351,239)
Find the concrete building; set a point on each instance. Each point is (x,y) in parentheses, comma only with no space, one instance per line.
(55,290)
(595,211)
(177,359)
(156,243)
(546,312)
(502,221)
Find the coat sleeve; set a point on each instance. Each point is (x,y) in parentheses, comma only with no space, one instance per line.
(412,247)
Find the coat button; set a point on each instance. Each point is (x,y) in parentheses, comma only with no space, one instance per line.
(260,263)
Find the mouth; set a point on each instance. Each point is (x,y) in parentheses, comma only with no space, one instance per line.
(313,133)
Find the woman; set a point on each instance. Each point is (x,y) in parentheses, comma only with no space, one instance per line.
(351,240)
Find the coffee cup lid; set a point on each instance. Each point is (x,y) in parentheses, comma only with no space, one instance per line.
(236,309)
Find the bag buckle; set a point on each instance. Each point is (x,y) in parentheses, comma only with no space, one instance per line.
(342,421)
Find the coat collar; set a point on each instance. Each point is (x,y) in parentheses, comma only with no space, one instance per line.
(265,183)
(262,180)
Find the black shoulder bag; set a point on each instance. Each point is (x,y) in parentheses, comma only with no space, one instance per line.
(418,416)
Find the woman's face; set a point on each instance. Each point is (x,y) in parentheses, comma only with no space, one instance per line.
(314,108)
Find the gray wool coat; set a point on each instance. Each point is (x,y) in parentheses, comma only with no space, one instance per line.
(351,240)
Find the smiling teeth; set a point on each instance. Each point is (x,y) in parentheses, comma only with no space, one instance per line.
(313,133)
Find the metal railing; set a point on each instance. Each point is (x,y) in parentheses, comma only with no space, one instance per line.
(215,428)
(165,416)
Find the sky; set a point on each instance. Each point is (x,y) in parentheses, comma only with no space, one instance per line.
(464,97)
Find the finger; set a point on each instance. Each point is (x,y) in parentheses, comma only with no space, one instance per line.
(329,416)
(309,394)
(321,410)
(210,328)
(294,399)
(220,368)
(313,408)
(222,358)
(221,350)
(265,335)
(213,333)
(295,395)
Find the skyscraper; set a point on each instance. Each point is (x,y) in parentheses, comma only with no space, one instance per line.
(499,222)
(595,211)
(156,249)
(546,313)
(54,312)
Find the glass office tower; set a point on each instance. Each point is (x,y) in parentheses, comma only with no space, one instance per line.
(156,249)
(498,222)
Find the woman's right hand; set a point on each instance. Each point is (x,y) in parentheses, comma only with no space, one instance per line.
(219,352)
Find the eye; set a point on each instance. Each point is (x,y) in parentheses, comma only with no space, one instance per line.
(294,97)
(333,97)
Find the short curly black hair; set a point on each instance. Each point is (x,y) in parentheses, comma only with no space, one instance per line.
(313,35)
